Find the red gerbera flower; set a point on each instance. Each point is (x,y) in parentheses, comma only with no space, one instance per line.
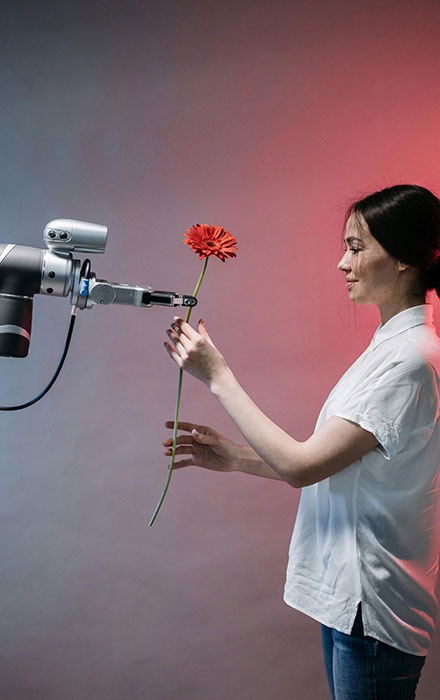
(211,240)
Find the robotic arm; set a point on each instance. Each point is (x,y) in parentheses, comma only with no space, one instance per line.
(26,271)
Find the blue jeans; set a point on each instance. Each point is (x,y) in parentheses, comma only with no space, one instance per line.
(362,668)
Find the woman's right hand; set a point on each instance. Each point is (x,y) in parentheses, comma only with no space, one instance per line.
(205,446)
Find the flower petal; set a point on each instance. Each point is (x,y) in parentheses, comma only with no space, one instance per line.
(208,240)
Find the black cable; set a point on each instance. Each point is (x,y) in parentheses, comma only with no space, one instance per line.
(85,271)
(58,370)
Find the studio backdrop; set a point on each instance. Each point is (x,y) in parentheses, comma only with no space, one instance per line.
(266,118)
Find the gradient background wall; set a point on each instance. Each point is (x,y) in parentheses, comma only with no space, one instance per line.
(266,118)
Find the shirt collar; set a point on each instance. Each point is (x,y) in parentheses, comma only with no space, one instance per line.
(414,316)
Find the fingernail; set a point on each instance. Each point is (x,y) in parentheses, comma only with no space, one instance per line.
(196,432)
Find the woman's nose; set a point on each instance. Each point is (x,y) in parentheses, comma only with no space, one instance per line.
(343,264)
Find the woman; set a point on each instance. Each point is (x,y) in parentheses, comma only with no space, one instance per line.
(364,554)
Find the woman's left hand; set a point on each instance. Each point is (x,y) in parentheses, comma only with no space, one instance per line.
(194,351)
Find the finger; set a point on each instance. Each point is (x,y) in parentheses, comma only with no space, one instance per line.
(181,440)
(184,425)
(186,328)
(176,338)
(176,357)
(180,450)
(183,463)
(178,344)
(210,439)
(203,332)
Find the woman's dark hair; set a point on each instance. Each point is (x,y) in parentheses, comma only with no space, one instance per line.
(405,220)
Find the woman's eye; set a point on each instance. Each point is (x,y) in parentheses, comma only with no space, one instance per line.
(355,250)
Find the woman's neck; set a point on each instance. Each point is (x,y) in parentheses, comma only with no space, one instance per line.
(391,309)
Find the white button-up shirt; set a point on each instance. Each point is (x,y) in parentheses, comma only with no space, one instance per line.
(371,532)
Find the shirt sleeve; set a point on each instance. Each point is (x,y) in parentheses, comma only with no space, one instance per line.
(400,406)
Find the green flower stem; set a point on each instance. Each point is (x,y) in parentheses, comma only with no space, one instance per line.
(176,414)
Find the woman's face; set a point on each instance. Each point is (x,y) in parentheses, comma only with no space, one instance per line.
(372,274)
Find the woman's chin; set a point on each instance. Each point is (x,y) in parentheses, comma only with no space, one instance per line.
(358,298)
